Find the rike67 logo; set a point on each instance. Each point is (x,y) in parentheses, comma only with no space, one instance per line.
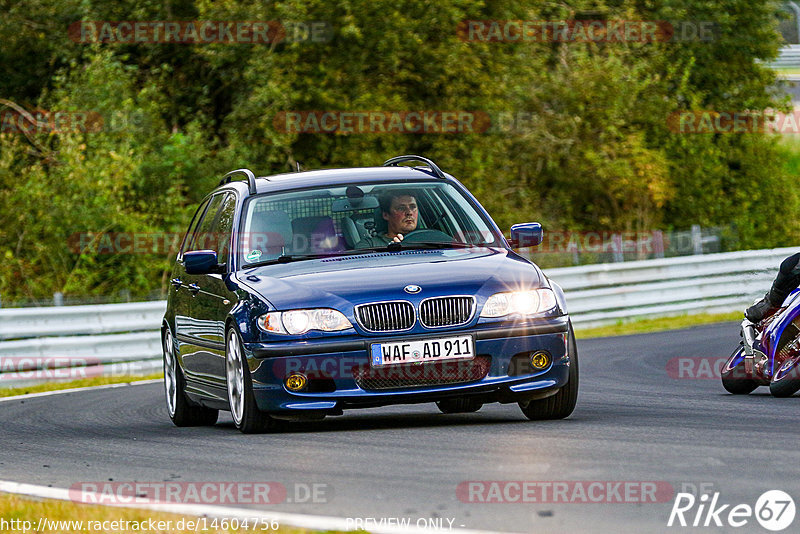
(774,510)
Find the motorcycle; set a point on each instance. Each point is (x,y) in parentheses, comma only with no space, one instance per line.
(769,353)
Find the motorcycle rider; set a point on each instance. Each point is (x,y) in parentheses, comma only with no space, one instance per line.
(788,279)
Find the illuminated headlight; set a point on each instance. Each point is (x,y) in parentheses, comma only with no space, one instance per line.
(521,302)
(301,321)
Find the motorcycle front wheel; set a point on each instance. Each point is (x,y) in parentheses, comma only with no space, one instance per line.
(786,381)
(734,377)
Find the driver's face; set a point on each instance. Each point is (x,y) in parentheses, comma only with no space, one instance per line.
(402,216)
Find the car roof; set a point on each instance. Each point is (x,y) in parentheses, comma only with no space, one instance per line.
(335,177)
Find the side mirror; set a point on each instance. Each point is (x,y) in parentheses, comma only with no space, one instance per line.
(526,234)
(200,262)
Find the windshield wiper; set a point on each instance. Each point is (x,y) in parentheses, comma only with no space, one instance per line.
(289,258)
(431,245)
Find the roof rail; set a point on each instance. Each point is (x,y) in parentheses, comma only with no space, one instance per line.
(401,159)
(251,179)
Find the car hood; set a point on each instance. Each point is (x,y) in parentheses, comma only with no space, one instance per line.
(345,281)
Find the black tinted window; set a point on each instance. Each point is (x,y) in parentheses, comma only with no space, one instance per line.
(187,239)
(203,238)
(222,229)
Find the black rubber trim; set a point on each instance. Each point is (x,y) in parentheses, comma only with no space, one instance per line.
(553,326)
(200,342)
(317,347)
(559,327)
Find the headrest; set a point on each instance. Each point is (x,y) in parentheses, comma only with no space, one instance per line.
(269,233)
(315,233)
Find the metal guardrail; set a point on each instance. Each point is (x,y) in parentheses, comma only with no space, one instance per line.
(71,342)
(607,293)
(789,57)
(38,344)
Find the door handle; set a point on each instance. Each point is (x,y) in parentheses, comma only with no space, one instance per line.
(194,289)
(176,283)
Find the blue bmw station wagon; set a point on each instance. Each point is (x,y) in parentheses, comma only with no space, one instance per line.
(298,296)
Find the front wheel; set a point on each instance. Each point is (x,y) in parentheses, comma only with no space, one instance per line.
(561,404)
(786,381)
(246,415)
(734,376)
(180,410)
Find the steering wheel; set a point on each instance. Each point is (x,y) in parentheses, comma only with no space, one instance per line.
(423,235)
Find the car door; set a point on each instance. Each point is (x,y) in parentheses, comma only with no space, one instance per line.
(212,297)
(199,339)
(181,298)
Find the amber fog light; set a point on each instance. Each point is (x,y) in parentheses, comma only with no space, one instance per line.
(296,382)
(540,360)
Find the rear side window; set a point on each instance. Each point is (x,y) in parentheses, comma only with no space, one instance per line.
(193,227)
(203,238)
(223,227)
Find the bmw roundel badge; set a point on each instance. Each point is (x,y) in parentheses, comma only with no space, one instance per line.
(411,288)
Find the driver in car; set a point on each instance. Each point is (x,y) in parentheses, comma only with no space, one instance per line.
(399,210)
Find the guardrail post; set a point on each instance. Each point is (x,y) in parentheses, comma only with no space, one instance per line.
(697,239)
(658,243)
(616,248)
(58,298)
(573,247)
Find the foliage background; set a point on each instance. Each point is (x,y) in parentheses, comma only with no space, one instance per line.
(597,154)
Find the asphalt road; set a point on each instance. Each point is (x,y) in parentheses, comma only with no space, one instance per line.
(634,422)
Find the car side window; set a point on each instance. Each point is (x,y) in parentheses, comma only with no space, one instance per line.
(203,238)
(187,238)
(223,227)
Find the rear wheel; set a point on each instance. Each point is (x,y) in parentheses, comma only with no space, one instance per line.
(181,411)
(734,377)
(465,405)
(246,415)
(786,381)
(561,404)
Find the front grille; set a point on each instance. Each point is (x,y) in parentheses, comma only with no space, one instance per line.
(446,311)
(386,316)
(446,372)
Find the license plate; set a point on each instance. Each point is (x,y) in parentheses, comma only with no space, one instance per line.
(423,350)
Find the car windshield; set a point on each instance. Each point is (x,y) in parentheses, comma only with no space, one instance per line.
(358,218)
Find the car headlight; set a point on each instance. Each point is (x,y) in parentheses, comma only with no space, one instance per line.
(521,302)
(301,321)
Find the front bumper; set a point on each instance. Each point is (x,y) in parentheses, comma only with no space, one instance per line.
(333,386)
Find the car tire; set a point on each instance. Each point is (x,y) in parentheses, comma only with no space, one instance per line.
(786,381)
(179,407)
(244,410)
(463,405)
(734,378)
(561,404)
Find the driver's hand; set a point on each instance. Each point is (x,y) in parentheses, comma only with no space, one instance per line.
(397,238)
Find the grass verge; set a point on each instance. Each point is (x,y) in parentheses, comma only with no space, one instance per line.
(80,383)
(643,326)
(23,514)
